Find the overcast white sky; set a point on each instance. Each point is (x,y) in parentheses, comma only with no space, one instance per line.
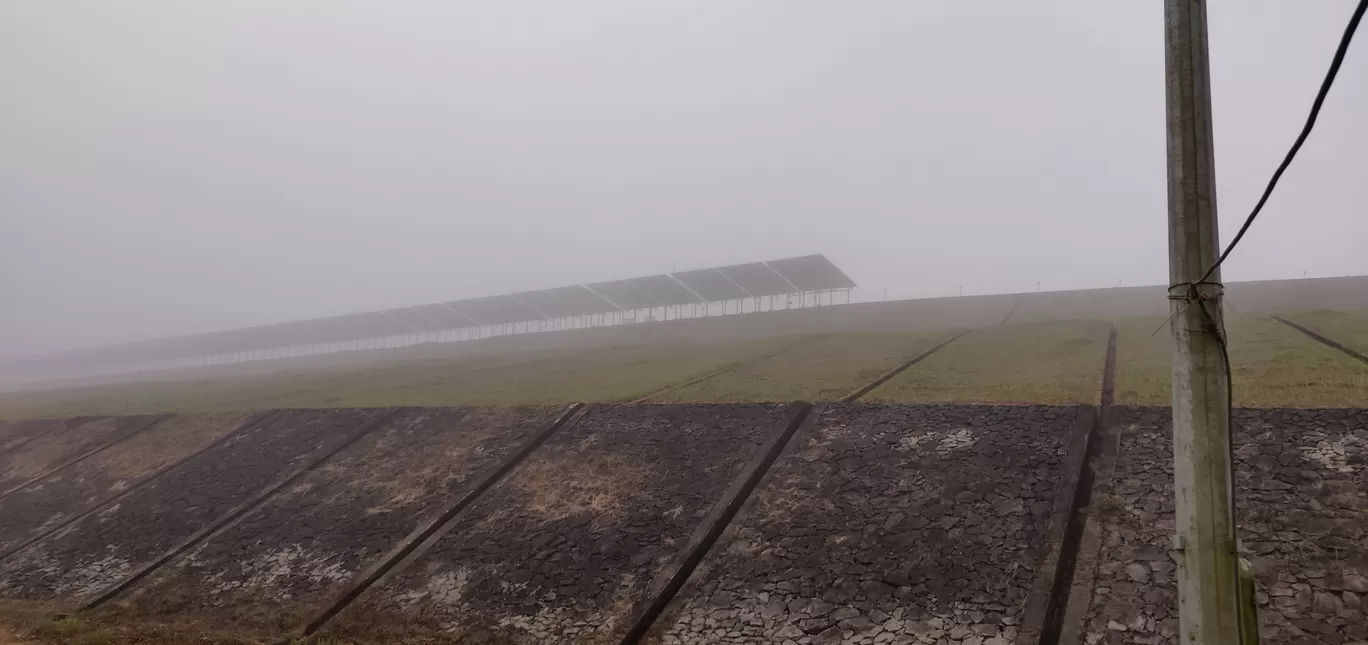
(172,167)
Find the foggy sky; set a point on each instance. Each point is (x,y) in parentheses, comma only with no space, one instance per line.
(174,167)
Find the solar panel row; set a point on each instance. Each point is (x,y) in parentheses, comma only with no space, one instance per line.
(665,290)
(759,279)
(812,273)
(711,285)
(430,318)
(624,294)
(778,277)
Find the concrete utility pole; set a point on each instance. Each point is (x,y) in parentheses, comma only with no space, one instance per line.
(1208,596)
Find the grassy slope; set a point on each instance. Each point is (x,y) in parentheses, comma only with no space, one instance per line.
(1349,328)
(602,374)
(822,370)
(1273,366)
(1058,362)
(1047,362)
(316,387)
(612,374)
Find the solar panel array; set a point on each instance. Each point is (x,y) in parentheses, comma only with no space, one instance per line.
(430,318)
(812,273)
(756,279)
(666,290)
(624,295)
(711,285)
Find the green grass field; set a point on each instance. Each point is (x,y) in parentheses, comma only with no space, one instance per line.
(1272,364)
(549,376)
(1350,328)
(1056,362)
(824,369)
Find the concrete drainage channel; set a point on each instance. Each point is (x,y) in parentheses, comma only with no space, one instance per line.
(1089,451)
(429,528)
(1302,490)
(49,505)
(722,516)
(624,524)
(653,396)
(869,387)
(29,570)
(1323,339)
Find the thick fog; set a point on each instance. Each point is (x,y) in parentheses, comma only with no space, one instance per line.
(174,167)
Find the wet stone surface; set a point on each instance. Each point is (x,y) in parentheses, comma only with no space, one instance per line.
(84,558)
(52,448)
(889,524)
(1302,495)
(266,573)
(566,548)
(57,498)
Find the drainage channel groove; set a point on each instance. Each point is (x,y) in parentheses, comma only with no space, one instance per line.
(87,454)
(50,425)
(733,366)
(237,511)
(1067,594)
(441,521)
(250,423)
(1322,339)
(799,413)
(1011,312)
(854,396)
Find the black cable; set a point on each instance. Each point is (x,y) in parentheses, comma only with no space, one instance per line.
(1218,329)
(1306,131)
(1216,325)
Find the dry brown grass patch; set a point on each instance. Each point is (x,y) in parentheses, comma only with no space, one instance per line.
(600,485)
(148,451)
(43,453)
(403,478)
(40,624)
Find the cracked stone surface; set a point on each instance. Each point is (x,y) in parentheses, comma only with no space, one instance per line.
(1302,498)
(57,498)
(16,433)
(268,572)
(890,524)
(569,545)
(86,557)
(53,447)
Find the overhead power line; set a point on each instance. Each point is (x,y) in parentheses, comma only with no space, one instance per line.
(1215,586)
(1335,63)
